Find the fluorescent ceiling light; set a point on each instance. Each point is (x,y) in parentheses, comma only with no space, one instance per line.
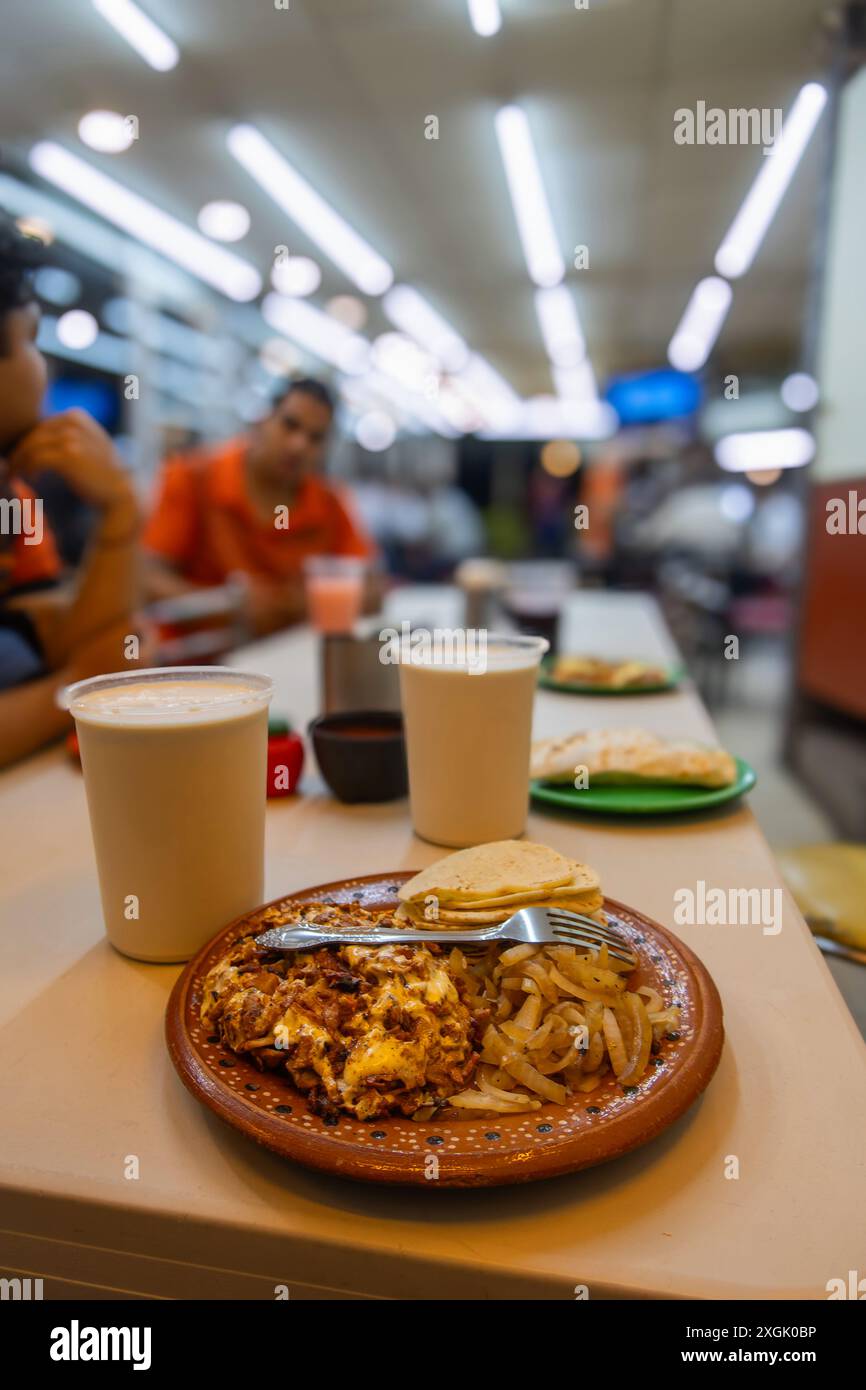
(107,353)
(481,377)
(700,325)
(106,131)
(375,431)
(145,222)
(560,327)
(765,449)
(317,332)
(290,191)
(496,402)
(299,275)
(744,237)
(399,357)
(77,329)
(140,32)
(485,17)
(410,312)
(457,410)
(800,391)
(100,243)
(375,383)
(224,220)
(56,286)
(532,213)
(545,417)
(576,383)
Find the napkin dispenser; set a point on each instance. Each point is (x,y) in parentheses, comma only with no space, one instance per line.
(353,675)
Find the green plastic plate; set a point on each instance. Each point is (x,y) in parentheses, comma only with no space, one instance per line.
(674,675)
(616,799)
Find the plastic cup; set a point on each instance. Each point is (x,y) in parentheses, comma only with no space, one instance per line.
(468,732)
(175,771)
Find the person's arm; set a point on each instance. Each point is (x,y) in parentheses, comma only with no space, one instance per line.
(268,607)
(160,579)
(74,446)
(29,717)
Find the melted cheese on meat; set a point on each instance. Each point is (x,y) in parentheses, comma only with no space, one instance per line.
(367,1063)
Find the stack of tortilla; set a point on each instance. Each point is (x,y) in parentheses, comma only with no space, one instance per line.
(484,885)
(631,756)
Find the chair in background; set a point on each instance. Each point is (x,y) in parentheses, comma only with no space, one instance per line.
(828,883)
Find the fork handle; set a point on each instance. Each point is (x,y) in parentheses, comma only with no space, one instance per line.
(416,938)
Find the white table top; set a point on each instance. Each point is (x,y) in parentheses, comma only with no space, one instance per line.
(86,1082)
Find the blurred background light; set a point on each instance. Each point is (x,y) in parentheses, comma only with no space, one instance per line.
(410,311)
(736,502)
(528,198)
(278,357)
(375,431)
(700,325)
(56,286)
(764,477)
(560,328)
(106,131)
(800,391)
(36,227)
(485,17)
(299,275)
(224,220)
(348,310)
(747,231)
(765,449)
(145,222)
(323,225)
(77,329)
(149,41)
(560,458)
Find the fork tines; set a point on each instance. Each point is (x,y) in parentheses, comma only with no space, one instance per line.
(586,931)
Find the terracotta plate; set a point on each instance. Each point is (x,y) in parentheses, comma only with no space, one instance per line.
(471,1152)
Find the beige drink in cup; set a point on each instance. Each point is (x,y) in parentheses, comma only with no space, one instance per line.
(175,768)
(468,733)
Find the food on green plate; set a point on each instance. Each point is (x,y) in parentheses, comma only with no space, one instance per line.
(627,756)
(607,675)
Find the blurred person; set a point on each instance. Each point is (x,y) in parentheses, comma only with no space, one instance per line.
(51,632)
(253,509)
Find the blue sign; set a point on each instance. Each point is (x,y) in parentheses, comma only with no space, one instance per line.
(645,398)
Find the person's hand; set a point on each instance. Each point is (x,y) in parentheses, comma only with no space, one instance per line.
(268,607)
(75,447)
(102,654)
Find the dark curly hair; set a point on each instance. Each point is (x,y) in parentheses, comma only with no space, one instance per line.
(20,255)
(310,386)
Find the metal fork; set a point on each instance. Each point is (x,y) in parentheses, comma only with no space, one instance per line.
(535,925)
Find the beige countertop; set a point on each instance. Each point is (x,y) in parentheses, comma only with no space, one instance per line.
(113,1178)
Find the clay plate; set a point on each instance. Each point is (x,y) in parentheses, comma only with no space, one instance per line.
(471,1152)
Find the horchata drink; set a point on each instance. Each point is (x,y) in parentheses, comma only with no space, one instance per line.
(175,769)
(468,718)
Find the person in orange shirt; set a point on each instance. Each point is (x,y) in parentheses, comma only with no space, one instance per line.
(254,509)
(52,632)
